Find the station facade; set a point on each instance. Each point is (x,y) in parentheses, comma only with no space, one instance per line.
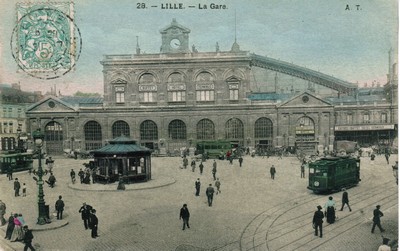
(172,99)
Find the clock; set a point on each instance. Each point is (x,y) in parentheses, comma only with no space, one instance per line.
(175,43)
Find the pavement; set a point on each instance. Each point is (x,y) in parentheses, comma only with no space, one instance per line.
(252,212)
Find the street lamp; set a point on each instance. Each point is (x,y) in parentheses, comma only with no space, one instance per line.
(19,145)
(38,138)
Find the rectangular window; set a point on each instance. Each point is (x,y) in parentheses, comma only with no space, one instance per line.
(366,119)
(120,94)
(176,96)
(233,94)
(148,97)
(205,95)
(120,97)
(349,119)
(384,118)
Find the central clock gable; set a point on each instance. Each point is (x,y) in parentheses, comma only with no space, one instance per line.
(175,38)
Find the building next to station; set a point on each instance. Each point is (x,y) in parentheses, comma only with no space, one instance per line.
(178,96)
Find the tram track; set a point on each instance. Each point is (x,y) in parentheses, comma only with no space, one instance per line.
(336,229)
(250,238)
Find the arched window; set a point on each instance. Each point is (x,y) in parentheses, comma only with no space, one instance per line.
(234,129)
(305,129)
(205,129)
(147,88)
(204,87)
(176,87)
(177,129)
(120,128)
(93,137)
(148,130)
(263,128)
(53,132)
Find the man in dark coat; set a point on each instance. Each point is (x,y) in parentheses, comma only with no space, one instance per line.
(81,175)
(59,207)
(197,184)
(85,212)
(201,166)
(214,170)
(318,220)
(272,171)
(17,186)
(10,227)
(94,221)
(210,195)
(28,236)
(377,219)
(240,161)
(184,215)
(72,174)
(345,199)
(52,180)
(9,173)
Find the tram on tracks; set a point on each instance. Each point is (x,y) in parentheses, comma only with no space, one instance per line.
(331,174)
(16,161)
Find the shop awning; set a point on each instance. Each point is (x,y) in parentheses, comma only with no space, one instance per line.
(343,128)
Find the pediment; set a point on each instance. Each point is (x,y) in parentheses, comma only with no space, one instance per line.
(175,27)
(305,99)
(51,104)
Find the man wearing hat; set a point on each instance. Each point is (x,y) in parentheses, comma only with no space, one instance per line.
(377,219)
(93,223)
(318,220)
(28,236)
(184,215)
(345,199)
(272,170)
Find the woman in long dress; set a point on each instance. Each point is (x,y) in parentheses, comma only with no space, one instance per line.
(16,234)
(330,210)
(22,233)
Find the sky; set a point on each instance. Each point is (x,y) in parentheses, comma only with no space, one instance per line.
(334,37)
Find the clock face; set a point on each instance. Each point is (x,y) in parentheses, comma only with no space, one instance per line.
(175,43)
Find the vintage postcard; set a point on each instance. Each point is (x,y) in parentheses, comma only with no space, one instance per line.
(199,125)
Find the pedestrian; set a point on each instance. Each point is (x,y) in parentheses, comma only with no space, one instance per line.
(93,224)
(345,199)
(210,195)
(193,165)
(197,185)
(72,174)
(385,245)
(214,170)
(50,163)
(16,233)
(17,186)
(240,161)
(185,162)
(272,171)
(86,180)
(218,185)
(2,213)
(372,156)
(85,213)
(230,159)
(377,219)
(302,169)
(28,236)
(52,180)
(201,166)
(10,227)
(10,173)
(59,207)
(318,219)
(81,175)
(23,190)
(387,155)
(184,215)
(330,210)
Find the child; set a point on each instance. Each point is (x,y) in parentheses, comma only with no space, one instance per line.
(24,190)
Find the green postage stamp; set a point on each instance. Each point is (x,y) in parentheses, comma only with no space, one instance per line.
(45,42)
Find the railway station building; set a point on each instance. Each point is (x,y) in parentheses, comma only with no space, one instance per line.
(171,99)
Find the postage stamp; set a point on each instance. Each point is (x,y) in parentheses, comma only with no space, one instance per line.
(45,42)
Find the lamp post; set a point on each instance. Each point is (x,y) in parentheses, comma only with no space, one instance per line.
(38,138)
(19,145)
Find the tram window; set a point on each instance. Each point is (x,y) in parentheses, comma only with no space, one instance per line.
(312,170)
(325,174)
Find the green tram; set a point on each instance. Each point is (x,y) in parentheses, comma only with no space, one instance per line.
(333,173)
(17,161)
(213,148)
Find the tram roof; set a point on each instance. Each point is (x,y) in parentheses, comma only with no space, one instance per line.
(330,160)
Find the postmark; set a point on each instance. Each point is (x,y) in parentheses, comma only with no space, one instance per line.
(46,43)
